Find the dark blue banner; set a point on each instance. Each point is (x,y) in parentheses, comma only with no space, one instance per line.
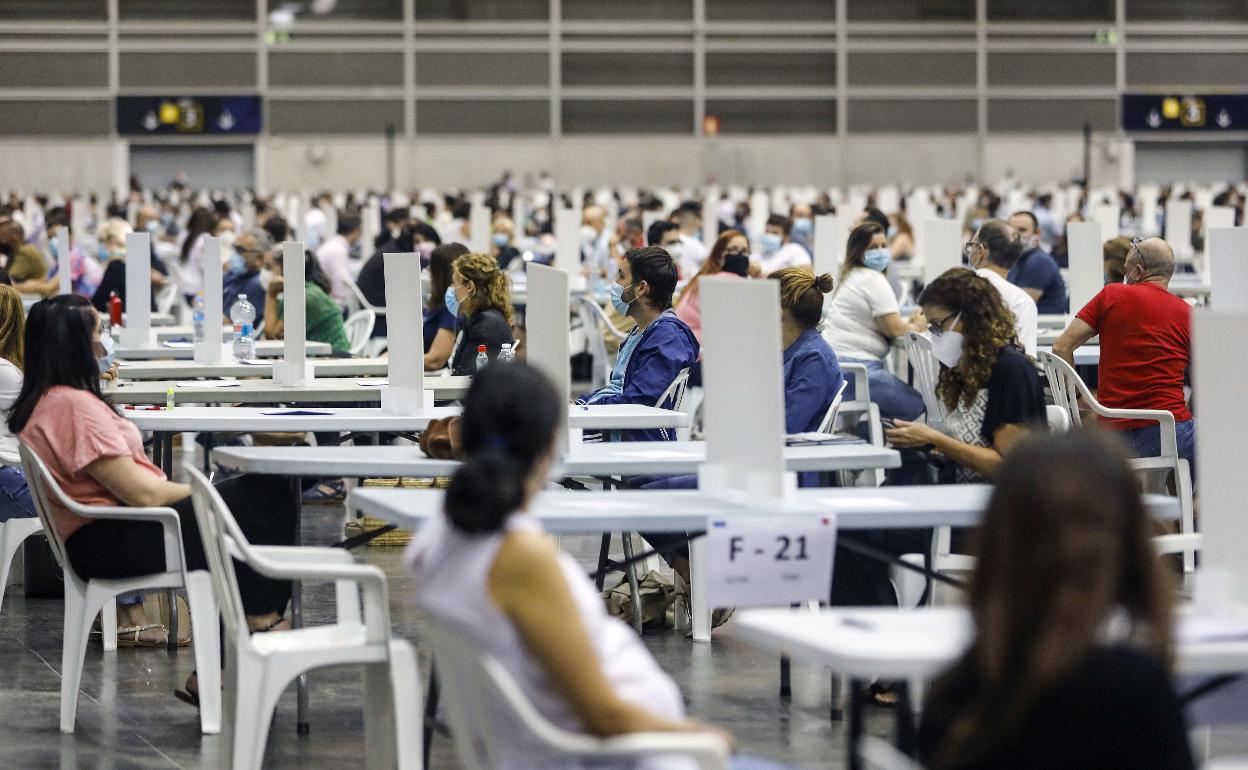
(188,115)
(1185,112)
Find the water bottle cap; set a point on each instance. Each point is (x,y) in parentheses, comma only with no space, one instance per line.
(480,348)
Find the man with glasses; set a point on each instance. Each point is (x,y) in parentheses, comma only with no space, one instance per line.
(1037,272)
(1145,346)
(251,246)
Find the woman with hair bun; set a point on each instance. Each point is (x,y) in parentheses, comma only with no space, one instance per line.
(812,375)
(490,571)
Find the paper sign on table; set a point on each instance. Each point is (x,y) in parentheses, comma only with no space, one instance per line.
(769,560)
(209,384)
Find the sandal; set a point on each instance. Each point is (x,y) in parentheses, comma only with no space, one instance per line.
(273,626)
(186,694)
(128,636)
(325,493)
(882,694)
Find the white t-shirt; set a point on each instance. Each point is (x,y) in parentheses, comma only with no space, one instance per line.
(1021,305)
(333,255)
(789,255)
(10,387)
(693,254)
(849,319)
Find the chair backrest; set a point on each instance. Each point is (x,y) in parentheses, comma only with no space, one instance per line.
(358,295)
(1065,385)
(223,542)
(165,297)
(593,320)
(829,419)
(359,328)
(926,374)
(39,480)
(1059,420)
(674,397)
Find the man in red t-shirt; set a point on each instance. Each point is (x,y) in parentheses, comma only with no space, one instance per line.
(1145,346)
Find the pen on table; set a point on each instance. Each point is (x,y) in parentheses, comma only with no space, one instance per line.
(859,624)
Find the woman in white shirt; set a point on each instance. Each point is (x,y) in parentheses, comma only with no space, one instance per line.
(190,268)
(15,502)
(490,571)
(863,318)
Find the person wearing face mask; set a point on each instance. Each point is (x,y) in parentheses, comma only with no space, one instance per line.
(334,254)
(111,236)
(992,391)
(730,257)
(660,346)
(863,318)
(803,232)
(322,316)
(246,275)
(692,252)
(85,271)
(419,238)
(480,299)
(439,321)
(779,250)
(25,263)
(1146,347)
(1037,272)
(502,231)
(991,252)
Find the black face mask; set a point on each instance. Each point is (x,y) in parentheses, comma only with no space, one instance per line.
(737,263)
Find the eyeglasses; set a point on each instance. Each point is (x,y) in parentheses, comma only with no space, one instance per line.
(938,327)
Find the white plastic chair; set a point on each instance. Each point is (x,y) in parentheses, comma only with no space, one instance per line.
(265,664)
(596,322)
(14,531)
(165,297)
(852,410)
(878,754)
(359,329)
(1068,388)
(1058,419)
(926,374)
(358,295)
(477,689)
(828,424)
(84,599)
(675,398)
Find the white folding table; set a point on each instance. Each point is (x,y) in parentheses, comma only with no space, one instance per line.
(188,369)
(264,349)
(267,391)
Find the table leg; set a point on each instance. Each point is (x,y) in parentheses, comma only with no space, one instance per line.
(296,615)
(209,441)
(854,737)
(167,444)
(697,589)
(906,736)
(786,688)
(431,711)
(604,551)
(630,572)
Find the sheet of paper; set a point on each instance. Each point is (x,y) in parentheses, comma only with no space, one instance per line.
(208,384)
(372,382)
(657,454)
(604,505)
(864,503)
(178,344)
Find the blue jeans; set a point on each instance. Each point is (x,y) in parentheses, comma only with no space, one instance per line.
(1146,441)
(15,502)
(894,397)
(745,762)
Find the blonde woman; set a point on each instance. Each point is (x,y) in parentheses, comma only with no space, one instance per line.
(480,299)
(15,500)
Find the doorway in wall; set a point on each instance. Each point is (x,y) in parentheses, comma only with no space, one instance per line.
(1205,163)
(210,166)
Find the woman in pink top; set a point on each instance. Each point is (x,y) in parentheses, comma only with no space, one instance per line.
(97,457)
(730,256)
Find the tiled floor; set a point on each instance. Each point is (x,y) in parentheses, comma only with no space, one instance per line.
(128,717)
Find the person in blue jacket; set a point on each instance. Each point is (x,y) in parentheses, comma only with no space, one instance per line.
(657,350)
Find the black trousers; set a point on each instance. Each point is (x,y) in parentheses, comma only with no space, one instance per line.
(262,505)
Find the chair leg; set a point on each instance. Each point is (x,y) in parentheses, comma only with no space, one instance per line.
(78,617)
(1187,510)
(255,699)
(604,552)
(630,571)
(207,643)
(7,548)
(108,624)
(379,717)
(697,590)
(405,685)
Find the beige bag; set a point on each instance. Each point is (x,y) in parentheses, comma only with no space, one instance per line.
(657,595)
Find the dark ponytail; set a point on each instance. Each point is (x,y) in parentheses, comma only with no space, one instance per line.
(509,422)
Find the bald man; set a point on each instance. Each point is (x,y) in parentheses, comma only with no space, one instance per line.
(1145,346)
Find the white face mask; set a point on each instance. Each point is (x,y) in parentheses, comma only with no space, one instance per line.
(588,234)
(947,346)
(266,278)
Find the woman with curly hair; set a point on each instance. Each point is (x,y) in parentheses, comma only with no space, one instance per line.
(480,299)
(990,387)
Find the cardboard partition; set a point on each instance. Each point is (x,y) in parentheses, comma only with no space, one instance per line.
(1227,250)
(942,246)
(405,391)
(546,323)
(1179,226)
(294,368)
(567,238)
(1106,214)
(137,331)
(479,225)
(210,350)
(831,233)
(64,262)
(1086,274)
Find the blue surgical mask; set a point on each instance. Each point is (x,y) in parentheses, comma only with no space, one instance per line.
(451,301)
(877,259)
(153,226)
(771,243)
(237,265)
(617,298)
(105,362)
(500,240)
(54,249)
(104,252)
(803,225)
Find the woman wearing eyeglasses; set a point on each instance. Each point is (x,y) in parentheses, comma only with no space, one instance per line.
(991,389)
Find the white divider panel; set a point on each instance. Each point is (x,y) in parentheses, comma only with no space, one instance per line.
(137,331)
(567,238)
(1019,200)
(405,391)
(78,217)
(1218,216)
(294,215)
(1227,250)
(1086,275)
(294,369)
(648,218)
(918,207)
(64,261)
(760,209)
(1179,226)
(744,403)
(210,350)
(1147,195)
(888,199)
(831,232)
(1106,214)
(479,226)
(248,211)
(1219,376)
(942,246)
(546,321)
(520,216)
(370,226)
(331,222)
(710,216)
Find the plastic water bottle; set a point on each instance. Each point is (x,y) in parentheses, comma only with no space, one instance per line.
(243,316)
(483,358)
(506,355)
(197,317)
